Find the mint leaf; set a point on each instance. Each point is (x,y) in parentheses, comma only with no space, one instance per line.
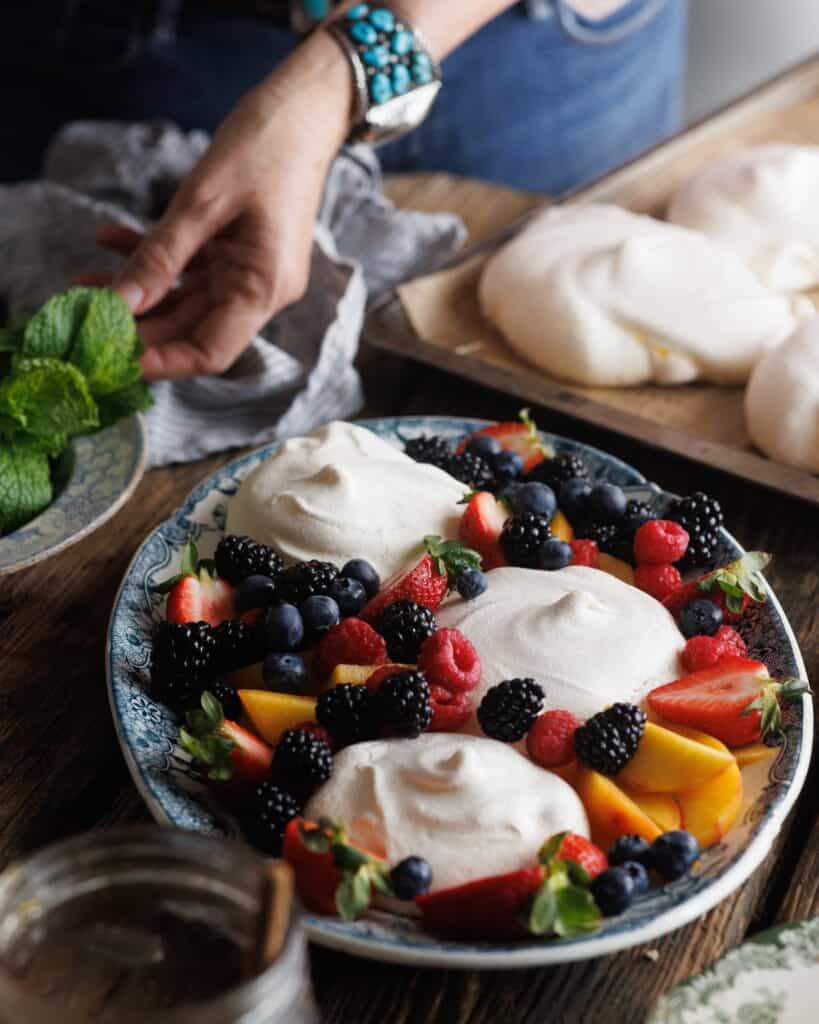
(51,331)
(543,911)
(106,344)
(25,483)
(348,858)
(11,339)
(353,894)
(119,405)
(577,913)
(49,400)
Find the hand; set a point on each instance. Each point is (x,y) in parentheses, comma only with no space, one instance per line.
(238,234)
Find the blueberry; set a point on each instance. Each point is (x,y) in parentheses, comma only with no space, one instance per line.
(255,592)
(319,614)
(284,628)
(532,497)
(630,848)
(361,570)
(639,876)
(285,672)
(607,503)
(553,554)
(507,466)
(673,853)
(411,877)
(349,594)
(699,617)
(485,446)
(471,583)
(574,498)
(613,891)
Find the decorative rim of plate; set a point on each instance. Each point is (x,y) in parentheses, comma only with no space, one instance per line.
(91,496)
(388,937)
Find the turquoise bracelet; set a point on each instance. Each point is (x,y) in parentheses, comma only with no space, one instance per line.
(396,77)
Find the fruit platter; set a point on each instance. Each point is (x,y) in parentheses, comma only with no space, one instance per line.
(497,699)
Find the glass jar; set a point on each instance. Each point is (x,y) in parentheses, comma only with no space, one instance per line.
(143,924)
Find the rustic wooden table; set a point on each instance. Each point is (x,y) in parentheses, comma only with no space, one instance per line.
(61,771)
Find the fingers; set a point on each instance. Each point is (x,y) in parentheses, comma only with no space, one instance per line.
(176,317)
(119,238)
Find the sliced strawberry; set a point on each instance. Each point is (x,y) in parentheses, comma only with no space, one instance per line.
(428,581)
(196,594)
(481,526)
(317,876)
(584,852)
(521,437)
(225,751)
(489,908)
(732,587)
(734,700)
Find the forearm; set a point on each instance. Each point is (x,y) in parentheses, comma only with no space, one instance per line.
(445,24)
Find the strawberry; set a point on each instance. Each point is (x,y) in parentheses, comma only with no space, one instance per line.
(657,580)
(196,594)
(585,552)
(330,870)
(481,525)
(734,700)
(583,851)
(731,587)
(451,710)
(521,437)
(550,741)
(224,750)
(428,581)
(351,642)
(449,660)
(489,908)
(704,651)
(660,541)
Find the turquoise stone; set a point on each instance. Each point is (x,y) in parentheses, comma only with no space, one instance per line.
(381,88)
(402,42)
(377,56)
(422,71)
(422,59)
(358,11)
(363,32)
(382,19)
(401,79)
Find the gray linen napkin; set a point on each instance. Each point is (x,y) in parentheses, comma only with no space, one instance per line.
(298,372)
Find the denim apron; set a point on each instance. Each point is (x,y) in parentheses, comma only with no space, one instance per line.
(539,99)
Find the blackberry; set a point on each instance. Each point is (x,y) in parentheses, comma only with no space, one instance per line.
(433,450)
(702,517)
(305,579)
(238,644)
(609,739)
(522,536)
(403,704)
(347,713)
(508,710)
(182,661)
(303,760)
(238,557)
(228,697)
(622,546)
(609,538)
(405,625)
(556,471)
(268,812)
(471,470)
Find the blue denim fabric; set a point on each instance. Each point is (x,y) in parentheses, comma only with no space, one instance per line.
(541,102)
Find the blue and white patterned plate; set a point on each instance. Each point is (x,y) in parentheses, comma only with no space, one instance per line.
(147,733)
(94,478)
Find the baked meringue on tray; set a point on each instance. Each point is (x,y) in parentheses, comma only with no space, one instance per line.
(596,295)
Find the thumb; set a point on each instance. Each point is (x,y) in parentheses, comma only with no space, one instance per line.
(160,258)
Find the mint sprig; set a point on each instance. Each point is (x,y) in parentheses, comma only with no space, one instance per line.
(563,904)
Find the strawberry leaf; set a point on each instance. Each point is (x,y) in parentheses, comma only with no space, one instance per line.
(381,880)
(542,913)
(577,873)
(793,688)
(577,913)
(548,851)
(314,839)
(353,894)
(348,858)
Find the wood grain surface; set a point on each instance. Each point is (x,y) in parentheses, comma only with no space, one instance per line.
(61,771)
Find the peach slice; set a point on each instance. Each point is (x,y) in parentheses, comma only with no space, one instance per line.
(250,677)
(357,674)
(561,527)
(710,811)
(753,752)
(662,808)
(616,567)
(668,761)
(271,713)
(611,812)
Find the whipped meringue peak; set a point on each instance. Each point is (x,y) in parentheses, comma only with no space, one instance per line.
(345,493)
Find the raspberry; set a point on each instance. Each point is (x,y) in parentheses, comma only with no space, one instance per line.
(733,641)
(660,541)
(450,711)
(550,741)
(583,852)
(706,651)
(449,660)
(351,642)
(657,580)
(585,552)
